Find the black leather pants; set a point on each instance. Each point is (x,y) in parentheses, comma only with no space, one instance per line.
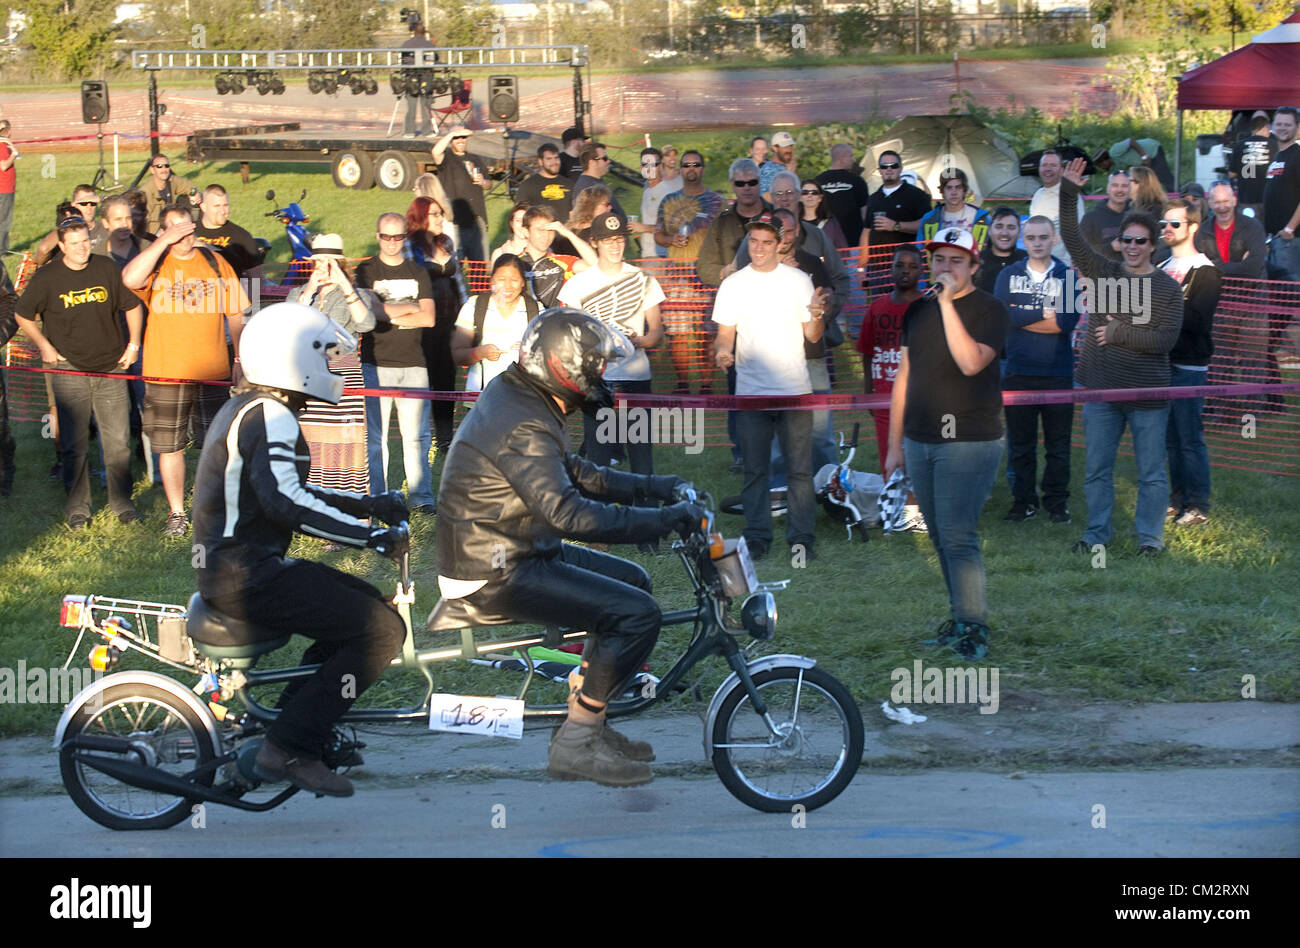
(581,588)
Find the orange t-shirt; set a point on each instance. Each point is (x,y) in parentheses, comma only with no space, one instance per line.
(185,336)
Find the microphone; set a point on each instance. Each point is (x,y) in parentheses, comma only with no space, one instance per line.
(932,291)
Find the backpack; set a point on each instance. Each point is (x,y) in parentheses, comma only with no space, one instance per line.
(480,313)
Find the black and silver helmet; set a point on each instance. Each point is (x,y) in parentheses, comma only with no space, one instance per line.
(565,352)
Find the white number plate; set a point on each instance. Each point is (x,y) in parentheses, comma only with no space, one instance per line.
(466,714)
(747,564)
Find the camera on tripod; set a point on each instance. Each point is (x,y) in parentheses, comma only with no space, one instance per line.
(411,17)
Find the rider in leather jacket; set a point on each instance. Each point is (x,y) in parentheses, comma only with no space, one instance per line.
(250,495)
(511,491)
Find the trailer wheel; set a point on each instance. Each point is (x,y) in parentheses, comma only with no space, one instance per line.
(353,169)
(395,170)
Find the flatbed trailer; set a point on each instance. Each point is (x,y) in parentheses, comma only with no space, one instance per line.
(361,157)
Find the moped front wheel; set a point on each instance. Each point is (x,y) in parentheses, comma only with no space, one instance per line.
(153,728)
(814,753)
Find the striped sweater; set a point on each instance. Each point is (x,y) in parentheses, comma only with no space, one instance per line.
(1147,311)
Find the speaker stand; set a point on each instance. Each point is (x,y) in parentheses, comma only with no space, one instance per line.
(102,173)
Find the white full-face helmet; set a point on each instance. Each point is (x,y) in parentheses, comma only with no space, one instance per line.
(289,346)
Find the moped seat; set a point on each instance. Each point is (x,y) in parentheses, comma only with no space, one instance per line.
(220,636)
(451,614)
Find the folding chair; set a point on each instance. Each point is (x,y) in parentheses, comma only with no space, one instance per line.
(458,112)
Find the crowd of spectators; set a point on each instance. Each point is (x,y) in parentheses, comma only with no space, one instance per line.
(1001,314)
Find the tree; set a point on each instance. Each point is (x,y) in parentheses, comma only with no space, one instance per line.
(69,39)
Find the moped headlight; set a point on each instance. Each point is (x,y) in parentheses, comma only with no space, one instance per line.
(758,615)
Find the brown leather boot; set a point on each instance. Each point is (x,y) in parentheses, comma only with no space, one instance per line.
(275,764)
(632,750)
(579,753)
(620,743)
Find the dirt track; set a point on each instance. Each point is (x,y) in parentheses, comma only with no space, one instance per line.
(693,99)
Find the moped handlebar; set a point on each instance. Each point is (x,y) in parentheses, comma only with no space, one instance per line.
(405,562)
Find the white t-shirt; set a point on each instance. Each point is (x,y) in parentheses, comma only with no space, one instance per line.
(1047,202)
(651,198)
(768,311)
(619,301)
(504,332)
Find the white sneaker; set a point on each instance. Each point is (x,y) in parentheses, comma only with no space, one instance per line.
(912,521)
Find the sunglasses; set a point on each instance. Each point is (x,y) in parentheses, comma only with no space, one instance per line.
(891,166)
(392,236)
(751,183)
(811,193)
(692,164)
(649,164)
(1174,224)
(161,166)
(86,204)
(72,222)
(1140,241)
(781,194)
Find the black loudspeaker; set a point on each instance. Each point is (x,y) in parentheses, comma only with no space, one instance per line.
(503,98)
(94,101)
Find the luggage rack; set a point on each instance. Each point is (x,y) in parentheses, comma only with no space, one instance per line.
(132,630)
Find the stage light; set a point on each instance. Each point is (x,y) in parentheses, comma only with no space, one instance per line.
(222,84)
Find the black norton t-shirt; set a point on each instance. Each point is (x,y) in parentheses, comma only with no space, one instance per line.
(78,311)
(942,403)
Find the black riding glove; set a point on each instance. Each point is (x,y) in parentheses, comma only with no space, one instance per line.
(661,487)
(684,518)
(391,542)
(390,507)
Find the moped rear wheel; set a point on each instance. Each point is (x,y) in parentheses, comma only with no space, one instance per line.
(162,732)
(813,756)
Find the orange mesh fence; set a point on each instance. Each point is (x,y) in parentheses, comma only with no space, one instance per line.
(1257,431)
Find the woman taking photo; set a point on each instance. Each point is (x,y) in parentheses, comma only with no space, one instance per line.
(491,324)
(428,246)
(812,206)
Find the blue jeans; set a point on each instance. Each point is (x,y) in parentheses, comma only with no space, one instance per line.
(1189,459)
(1103,427)
(794,430)
(412,421)
(76,397)
(824,450)
(1284,260)
(951,481)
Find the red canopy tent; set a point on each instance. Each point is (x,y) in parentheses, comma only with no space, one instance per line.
(1263,74)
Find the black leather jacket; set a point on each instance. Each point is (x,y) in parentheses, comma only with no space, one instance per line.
(511,490)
